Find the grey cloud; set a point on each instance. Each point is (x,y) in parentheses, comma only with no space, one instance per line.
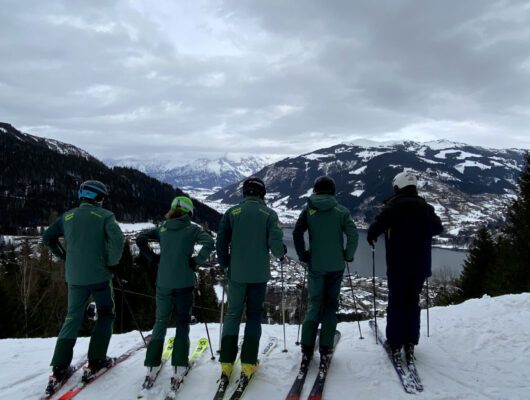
(107,76)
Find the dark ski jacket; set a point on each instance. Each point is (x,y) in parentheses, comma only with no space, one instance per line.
(177,238)
(409,223)
(327,222)
(94,242)
(246,234)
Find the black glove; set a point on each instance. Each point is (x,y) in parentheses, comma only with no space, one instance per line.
(371,239)
(349,260)
(284,249)
(192,264)
(305,257)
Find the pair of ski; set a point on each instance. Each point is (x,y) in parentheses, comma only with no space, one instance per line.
(408,375)
(318,387)
(199,350)
(74,391)
(243,382)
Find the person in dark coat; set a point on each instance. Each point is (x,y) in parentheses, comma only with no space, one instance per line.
(409,223)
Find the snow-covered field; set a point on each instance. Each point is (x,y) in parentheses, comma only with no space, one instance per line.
(477,350)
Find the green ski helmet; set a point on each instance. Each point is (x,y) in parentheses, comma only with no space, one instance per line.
(183,204)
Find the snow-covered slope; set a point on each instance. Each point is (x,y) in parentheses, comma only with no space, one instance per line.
(477,350)
(201,173)
(468,185)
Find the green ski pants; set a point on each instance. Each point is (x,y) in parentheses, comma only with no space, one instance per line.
(324,292)
(103,295)
(240,294)
(181,300)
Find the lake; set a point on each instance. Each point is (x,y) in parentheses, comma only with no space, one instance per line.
(445,262)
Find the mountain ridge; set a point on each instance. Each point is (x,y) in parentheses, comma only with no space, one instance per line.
(468,185)
(40,178)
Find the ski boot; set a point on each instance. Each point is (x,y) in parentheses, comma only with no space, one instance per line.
(396,357)
(247,370)
(409,353)
(226,371)
(325,355)
(150,377)
(178,377)
(58,376)
(95,366)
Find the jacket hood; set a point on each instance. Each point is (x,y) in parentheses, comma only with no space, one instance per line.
(176,224)
(253,198)
(322,202)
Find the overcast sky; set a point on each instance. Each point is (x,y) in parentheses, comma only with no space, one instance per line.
(186,79)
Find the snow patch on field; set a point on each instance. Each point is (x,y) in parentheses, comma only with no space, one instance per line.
(467,164)
(357,193)
(136,227)
(358,171)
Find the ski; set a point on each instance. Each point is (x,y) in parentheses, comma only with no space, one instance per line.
(318,387)
(201,347)
(404,377)
(224,380)
(150,381)
(221,388)
(243,380)
(80,386)
(54,387)
(414,376)
(296,389)
(295,393)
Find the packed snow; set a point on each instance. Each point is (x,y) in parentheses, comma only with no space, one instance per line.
(476,350)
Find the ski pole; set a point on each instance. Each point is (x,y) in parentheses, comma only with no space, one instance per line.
(222,315)
(209,341)
(354,300)
(205,324)
(428,330)
(118,280)
(283,307)
(300,304)
(373,285)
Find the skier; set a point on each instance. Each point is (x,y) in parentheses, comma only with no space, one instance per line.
(409,223)
(175,283)
(327,222)
(94,245)
(246,234)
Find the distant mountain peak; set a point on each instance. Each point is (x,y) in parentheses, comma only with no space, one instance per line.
(205,173)
(468,185)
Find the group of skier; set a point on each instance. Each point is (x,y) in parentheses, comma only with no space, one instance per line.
(248,233)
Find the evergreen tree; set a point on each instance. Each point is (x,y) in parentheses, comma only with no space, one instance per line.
(511,271)
(477,266)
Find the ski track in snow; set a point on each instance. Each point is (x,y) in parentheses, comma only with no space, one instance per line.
(477,350)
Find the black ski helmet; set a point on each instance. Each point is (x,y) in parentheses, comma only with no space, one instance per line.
(253,186)
(324,185)
(93,191)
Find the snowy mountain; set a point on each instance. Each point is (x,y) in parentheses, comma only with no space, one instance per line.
(50,144)
(467,185)
(40,179)
(464,358)
(201,173)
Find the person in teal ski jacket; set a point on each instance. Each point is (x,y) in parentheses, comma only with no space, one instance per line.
(247,234)
(94,244)
(327,222)
(175,283)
